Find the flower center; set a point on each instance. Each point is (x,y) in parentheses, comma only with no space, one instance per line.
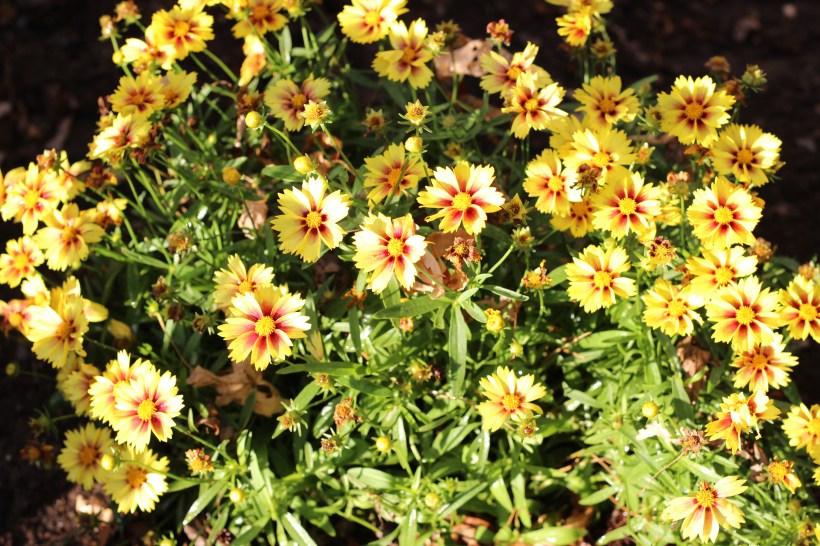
(408,55)
(146,410)
(814,427)
(627,206)
(602,279)
(556,184)
(601,159)
(514,72)
(777,471)
(511,402)
(724,215)
(531,105)
(606,105)
(313,219)
(69,235)
(244,286)
(693,111)
(760,361)
(395,247)
(21,261)
(676,308)
(705,497)
(298,100)
(745,156)
(807,312)
(393,176)
(88,455)
(64,331)
(372,18)
(724,275)
(136,476)
(265,326)
(181,29)
(745,315)
(462,201)
(31,198)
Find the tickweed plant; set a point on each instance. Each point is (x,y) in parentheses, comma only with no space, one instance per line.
(438,299)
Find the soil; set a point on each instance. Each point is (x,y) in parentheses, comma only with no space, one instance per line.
(54,69)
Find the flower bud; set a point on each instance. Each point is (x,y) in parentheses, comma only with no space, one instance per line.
(253,120)
(383,444)
(230,176)
(649,410)
(413,144)
(236,495)
(431,500)
(303,164)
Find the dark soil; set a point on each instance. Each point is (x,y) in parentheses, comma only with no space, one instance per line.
(54,69)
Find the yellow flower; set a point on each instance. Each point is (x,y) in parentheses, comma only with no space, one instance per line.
(465,194)
(237,280)
(366,21)
(764,366)
(534,107)
(263,325)
(143,53)
(407,60)
(578,220)
(31,197)
(670,308)
(575,26)
(57,332)
(607,149)
(287,100)
(119,371)
(141,95)
(553,185)
(495,322)
(177,87)
(693,111)
(386,247)
(125,131)
(391,173)
(781,472)
(802,426)
(716,269)
(626,205)
(723,215)
(743,315)
(605,104)
(746,152)
(19,262)
(510,397)
(595,277)
(415,113)
(76,384)
(66,236)
(137,482)
(255,60)
(738,415)
(801,308)
(144,406)
(81,454)
(707,509)
(502,73)
(315,113)
(261,17)
(310,218)
(182,31)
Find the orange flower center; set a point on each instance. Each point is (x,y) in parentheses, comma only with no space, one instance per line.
(627,206)
(601,159)
(409,55)
(724,275)
(64,331)
(556,184)
(244,286)
(313,219)
(778,470)
(69,235)
(724,215)
(693,111)
(514,72)
(602,279)
(372,18)
(531,105)
(745,157)
(136,476)
(760,361)
(31,198)
(676,308)
(606,105)
(21,261)
(265,326)
(181,29)
(807,312)
(88,455)
(298,100)
(395,247)
(705,498)
(393,176)
(462,201)
(146,410)
(511,402)
(745,315)
(814,428)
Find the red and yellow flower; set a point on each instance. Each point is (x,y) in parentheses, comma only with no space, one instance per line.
(671,309)
(744,314)
(693,111)
(141,95)
(707,509)
(509,397)
(287,100)
(723,215)
(138,481)
(802,426)
(533,106)
(391,173)
(81,454)
(181,31)
(551,184)
(604,104)
(719,268)
(626,205)
(595,277)
(502,73)
(408,59)
(119,371)
(746,152)
(19,261)
(800,310)
(260,17)
(66,237)
(388,247)
(239,280)
(764,367)
(367,21)
(32,197)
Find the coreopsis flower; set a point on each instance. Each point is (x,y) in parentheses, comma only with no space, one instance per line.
(287,100)
(578,221)
(534,106)
(671,309)
(19,261)
(125,131)
(391,173)
(118,371)
(81,454)
(464,194)
(310,218)
(407,61)
(76,384)
(66,236)
(145,406)
(254,62)
(551,184)
(802,426)
(660,252)
(57,332)
(764,366)
(595,277)
(415,113)
(32,197)
(607,149)
(261,17)
(781,472)
(502,73)
(198,462)
(367,21)
(604,104)
(626,205)
(693,111)
(374,121)
(315,113)
(509,397)
(719,268)
(239,280)
(575,26)
(263,325)
(746,152)
(138,481)
(707,509)
(495,322)
(564,127)
(723,215)
(386,247)
(15,315)
(141,54)
(176,87)
(140,95)
(744,314)
(182,31)
(801,308)
(499,32)
(739,414)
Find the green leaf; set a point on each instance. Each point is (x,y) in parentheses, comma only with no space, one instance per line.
(498,489)
(411,308)
(298,533)
(370,477)
(506,292)
(599,496)
(462,499)
(253,532)
(559,536)
(409,528)
(206,495)
(363,385)
(457,346)
(519,491)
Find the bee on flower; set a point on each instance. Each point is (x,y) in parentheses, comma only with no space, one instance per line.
(138,481)
(595,277)
(533,106)
(388,247)
(693,110)
(408,59)
(287,100)
(82,453)
(509,397)
(609,150)
(367,21)
(707,509)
